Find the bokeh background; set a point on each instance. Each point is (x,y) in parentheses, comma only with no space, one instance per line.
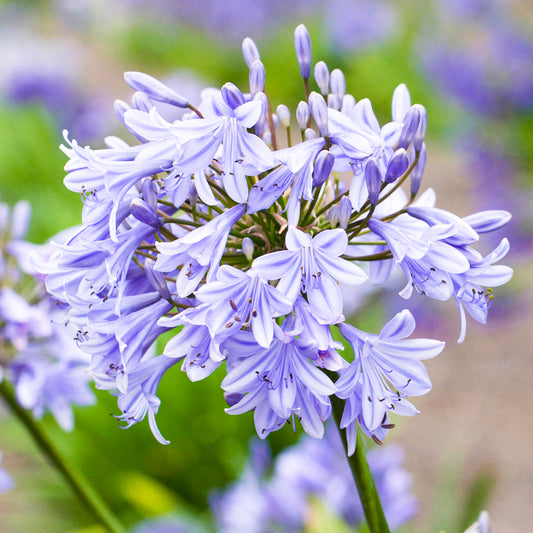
(470,62)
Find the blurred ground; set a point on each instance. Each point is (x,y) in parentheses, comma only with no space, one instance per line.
(473,421)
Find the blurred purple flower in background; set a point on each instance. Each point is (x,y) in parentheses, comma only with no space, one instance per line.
(6,481)
(354,25)
(278,493)
(38,69)
(228,21)
(38,352)
(480,54)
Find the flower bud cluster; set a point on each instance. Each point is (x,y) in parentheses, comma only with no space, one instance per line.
(208,226)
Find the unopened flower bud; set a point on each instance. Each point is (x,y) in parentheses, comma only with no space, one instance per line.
(322,77)
(141,102)
(284,115)
(410,125)
(257,77)
(331,193)
(373,180)
(332,214)
(302,45)
(333,102)
(156,278)
(154,89)
(310,133)
(302,115)
(418,171)
(348,103)
(345,212)
(319,110)
(401,102)
(149,194)
(144,213)
(248,248)
(398,164)
(267,137)
(262,97)
(250,52)
(231,95)
(338,84)
(323,166)
(422,127)
(120,109)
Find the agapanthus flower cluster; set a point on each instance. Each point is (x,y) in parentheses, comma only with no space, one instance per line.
(235,226)
(278,495)
(38,353)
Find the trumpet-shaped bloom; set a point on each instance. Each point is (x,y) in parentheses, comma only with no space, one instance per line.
(425,256)
(236,299)
(469,291)
(313,266)
(140,398)
(198,251)
(280,379)
(388,367)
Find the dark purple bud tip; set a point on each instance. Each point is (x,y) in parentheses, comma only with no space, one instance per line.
(411,122)
(232,96)
(373,180)
(302,45)
(154,89)
(398,164)
(323,166)
(232,398)
(144,213)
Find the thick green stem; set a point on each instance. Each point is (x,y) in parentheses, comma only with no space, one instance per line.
(72,475)
(364,480)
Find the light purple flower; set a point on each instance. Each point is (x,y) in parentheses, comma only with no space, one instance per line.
(308,471)
(313,266)
(424,255)
(277,381)
(236,299)
(140,398)
(388,367)
(198,251)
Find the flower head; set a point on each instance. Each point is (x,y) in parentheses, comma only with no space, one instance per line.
(208,225)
